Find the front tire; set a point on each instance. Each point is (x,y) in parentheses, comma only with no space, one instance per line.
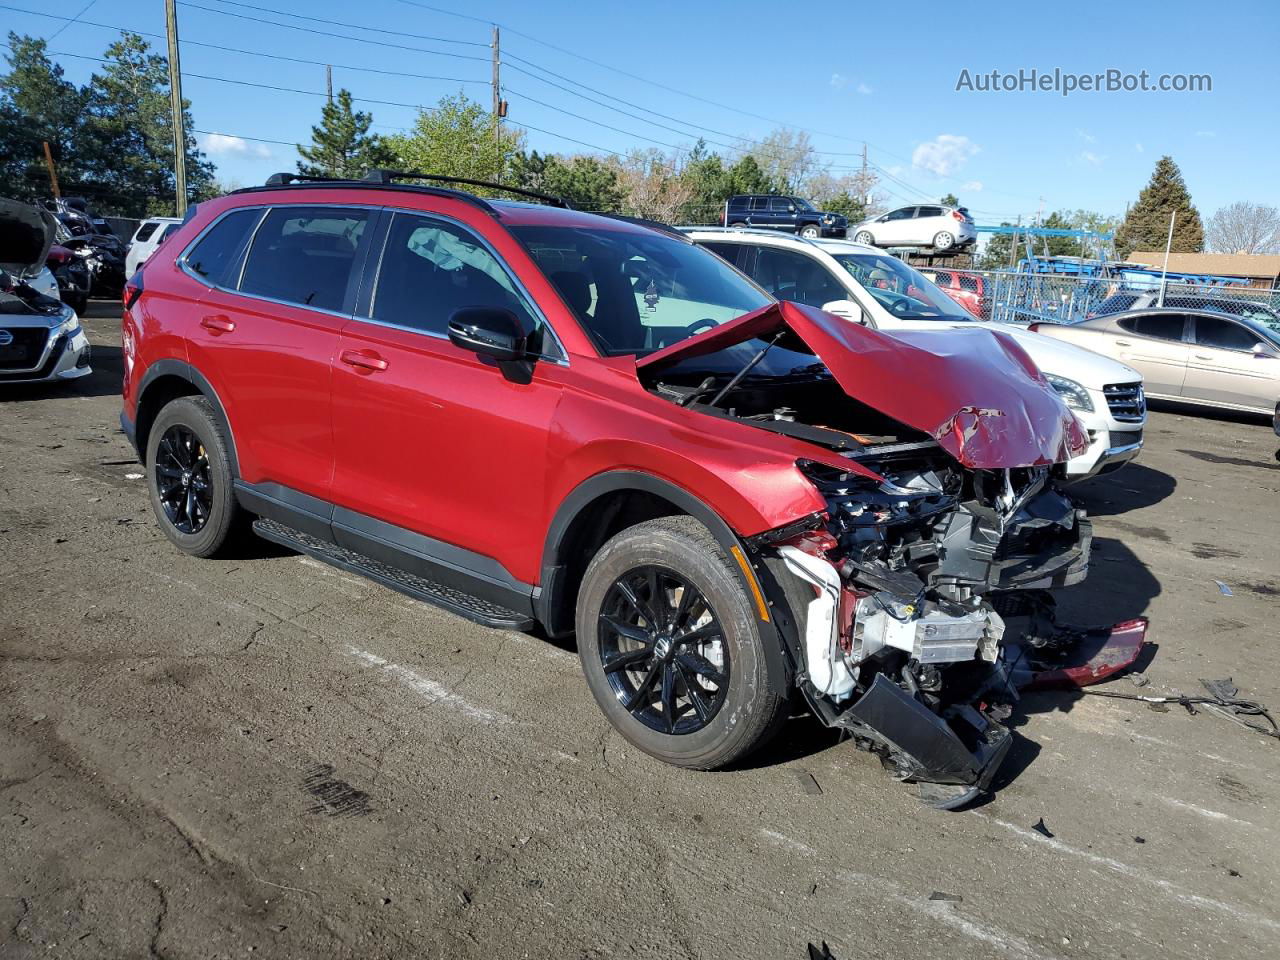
(739,225)
(188,470)
(865,238)
(810,232)
(671,647)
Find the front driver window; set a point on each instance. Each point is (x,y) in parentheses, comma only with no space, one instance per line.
(431,268)
(1213,332)
(793,276)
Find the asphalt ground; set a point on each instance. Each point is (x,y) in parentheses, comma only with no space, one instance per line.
(267,756)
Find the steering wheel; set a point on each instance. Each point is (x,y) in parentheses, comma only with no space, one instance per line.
(900,306)
(697,327)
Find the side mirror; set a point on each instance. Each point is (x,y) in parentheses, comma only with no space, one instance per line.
(791,208)
(490,332)
(847,309)
(1262,350)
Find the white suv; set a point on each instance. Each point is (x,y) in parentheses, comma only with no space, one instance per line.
(149,235)
(869,286)
(926,225)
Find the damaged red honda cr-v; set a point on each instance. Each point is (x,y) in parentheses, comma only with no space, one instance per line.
(532,415)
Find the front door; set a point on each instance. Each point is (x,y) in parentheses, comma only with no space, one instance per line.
(1154,345)
(1224,367)
(428,437)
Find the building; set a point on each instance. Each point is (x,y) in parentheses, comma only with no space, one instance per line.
(1260,270)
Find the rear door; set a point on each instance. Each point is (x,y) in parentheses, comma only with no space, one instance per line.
(760,213)
(926,224)
(267,336)
(1155,345)
(1224,367)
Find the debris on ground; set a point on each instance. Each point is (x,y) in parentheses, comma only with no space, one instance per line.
(1224,589)
(946,897)
(823,954)
(1224,700)
(1040,828)
(809,783)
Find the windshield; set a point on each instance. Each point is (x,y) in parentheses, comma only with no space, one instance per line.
(902,291)
(803,204)
(636,292)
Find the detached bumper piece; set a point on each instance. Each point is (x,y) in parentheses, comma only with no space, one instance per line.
(953,759)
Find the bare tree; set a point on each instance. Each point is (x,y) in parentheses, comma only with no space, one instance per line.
(1244,227)
(652,185)
(788,158)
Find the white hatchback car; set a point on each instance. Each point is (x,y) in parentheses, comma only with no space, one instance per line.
(926,225)
(870,286)
(149,235)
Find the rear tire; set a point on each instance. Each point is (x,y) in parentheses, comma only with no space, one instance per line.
(732,679)
(943,241)
(739,225)
(188,471)
(864,237)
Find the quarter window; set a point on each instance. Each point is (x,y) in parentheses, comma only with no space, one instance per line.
(305,255)
(145,231)
(216,256)
(431,268)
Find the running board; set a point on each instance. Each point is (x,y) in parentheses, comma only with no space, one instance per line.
(419,588)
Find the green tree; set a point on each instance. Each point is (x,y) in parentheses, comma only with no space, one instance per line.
(846,204)
(341,145)
(456,138)
(132,131)
(998,250)
(1146,226)
(585,181)
(950,200)
(37,105)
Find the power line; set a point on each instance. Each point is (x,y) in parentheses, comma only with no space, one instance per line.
(354,26)
(250,53)
(339,36)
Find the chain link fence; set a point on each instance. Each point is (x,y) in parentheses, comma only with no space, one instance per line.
(1012,297)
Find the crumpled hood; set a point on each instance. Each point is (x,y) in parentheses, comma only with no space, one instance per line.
(975,391)
(26,234)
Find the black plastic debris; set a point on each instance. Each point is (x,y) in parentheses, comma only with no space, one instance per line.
(1040,828)
(946,897)
(809,783)
(1224,701)
(823,954)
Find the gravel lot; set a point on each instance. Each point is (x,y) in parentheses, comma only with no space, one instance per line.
(264,755)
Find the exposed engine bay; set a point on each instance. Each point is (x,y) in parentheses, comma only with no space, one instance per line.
(896,586)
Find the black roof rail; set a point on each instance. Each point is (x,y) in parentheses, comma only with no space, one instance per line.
(284,179)
(651,224)
(383,176)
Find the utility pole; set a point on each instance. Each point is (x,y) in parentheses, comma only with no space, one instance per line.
(175,104)
(328,81)
(53,174)
(497,99)
(1013,247)
(866,187)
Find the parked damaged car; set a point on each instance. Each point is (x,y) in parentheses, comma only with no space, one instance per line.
(40,337)
(530,415)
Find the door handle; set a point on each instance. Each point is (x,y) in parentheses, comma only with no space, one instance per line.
(1123,343)
(364,359)
(1201,356)
(217,323)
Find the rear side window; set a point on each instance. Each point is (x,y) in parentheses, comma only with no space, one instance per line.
(1213,332)
(169,231)
(759,203)
(145,231)
(1160,326)
(928,212)
(216,256)
(305,255)
(728,251)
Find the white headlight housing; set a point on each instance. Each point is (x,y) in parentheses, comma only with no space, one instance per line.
(1073,394)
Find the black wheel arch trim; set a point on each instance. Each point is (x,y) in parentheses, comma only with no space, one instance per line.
(171,367)
(549,598)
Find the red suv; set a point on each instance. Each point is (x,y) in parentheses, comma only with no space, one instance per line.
(530,415)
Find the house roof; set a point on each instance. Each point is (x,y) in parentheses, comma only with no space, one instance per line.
(1263,265)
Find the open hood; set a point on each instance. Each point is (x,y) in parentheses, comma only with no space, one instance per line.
(975,391)
(26,234)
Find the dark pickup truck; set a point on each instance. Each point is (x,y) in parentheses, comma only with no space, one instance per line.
(783,213)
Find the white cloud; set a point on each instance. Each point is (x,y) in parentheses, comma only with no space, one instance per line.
(1139,147)
(973,186)
(839,81)
(944,154)
(1086,136)
(896,170)
(863,89)
(1091,158)
(222,144)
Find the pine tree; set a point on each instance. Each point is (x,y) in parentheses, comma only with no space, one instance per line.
(341,146)
(1146,227)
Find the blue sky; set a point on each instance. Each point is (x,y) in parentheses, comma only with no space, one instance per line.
(846,72)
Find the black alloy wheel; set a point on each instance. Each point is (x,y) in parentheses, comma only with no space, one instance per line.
(183,479)
(663,650)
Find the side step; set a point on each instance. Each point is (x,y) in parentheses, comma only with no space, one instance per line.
(419,588)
